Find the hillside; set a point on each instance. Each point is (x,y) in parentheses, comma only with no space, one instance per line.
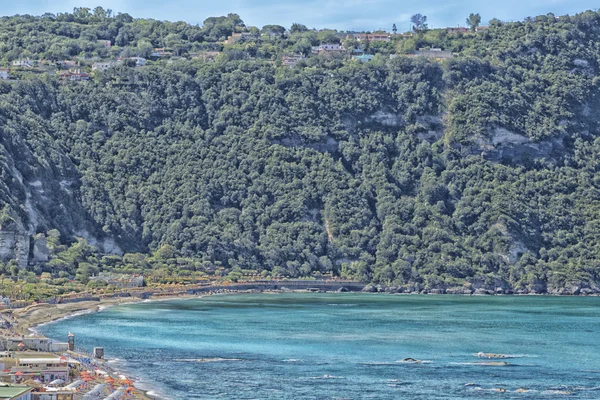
(475,172)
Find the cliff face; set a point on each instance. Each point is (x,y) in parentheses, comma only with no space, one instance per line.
(39,190)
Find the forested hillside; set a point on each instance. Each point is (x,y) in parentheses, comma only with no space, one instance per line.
(480,171)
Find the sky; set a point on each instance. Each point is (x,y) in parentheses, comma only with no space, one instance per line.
(367,15)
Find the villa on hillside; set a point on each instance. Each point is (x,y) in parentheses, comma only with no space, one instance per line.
(434,53)
(371,37)
(206,55)
(364,58)
(103,66)
(161,52)
(327,48)
(4,73)
(139,61)
(240,37)
(292,60)
(105,43)
(74,75)
(458,29)
(23,63)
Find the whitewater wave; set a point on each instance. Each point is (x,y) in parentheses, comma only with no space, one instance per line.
(206,360)
(291,360)
(327,377)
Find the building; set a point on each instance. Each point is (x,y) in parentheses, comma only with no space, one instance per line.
(103,66)
(434,53)
(161,52)
(4,75)
(327,48)
(364,58)
(105,43)
(23,63)
(66,64)
(119,281)
(458,29)
(52,395)
(482,28)
(240,37)
(139,61)
(45,367)
(31,343)
(74,76)
(291,61)
(371,37)
(206,55)
(15,392)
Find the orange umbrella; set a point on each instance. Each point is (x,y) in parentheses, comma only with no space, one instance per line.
(19,373)
(127,382)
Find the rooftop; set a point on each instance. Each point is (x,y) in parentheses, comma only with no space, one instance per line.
(9,392)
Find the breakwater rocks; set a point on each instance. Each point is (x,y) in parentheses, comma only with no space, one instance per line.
(574,290)
(289,285)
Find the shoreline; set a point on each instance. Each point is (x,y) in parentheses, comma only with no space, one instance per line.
(29,320)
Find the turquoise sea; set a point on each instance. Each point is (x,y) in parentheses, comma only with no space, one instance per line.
(350,346)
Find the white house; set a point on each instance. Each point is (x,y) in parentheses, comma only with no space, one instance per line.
(102,66)
(4,74)
(139,61)
(328,47)
(23,63)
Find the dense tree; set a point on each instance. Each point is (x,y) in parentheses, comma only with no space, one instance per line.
(473,21)
(480,171)
(419,22)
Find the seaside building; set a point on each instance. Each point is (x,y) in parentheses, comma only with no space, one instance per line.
(45,367)
(38,343)
(14,392)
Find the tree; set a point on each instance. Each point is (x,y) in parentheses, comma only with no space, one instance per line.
(419,22)
(273,30)
(473,21)
(394,29)
(298,28)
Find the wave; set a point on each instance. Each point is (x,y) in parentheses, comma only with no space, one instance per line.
(327,377)
(291,360)
(483,363)
(206,360)
(413,361)
(502,356)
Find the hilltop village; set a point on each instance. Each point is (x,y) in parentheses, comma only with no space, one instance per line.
(85,54)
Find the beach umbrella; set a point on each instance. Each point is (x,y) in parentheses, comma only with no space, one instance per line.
(127,382)
(21,345)
(19,373)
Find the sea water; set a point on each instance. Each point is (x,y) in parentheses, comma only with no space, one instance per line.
(351,346)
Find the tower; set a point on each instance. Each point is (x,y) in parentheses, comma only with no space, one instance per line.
(71,341)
